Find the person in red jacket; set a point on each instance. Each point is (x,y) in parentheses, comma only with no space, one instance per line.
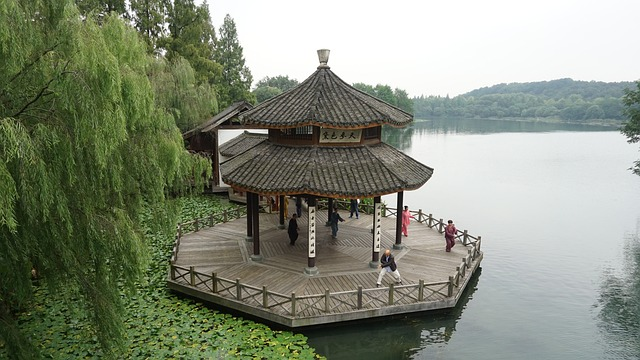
(450,235)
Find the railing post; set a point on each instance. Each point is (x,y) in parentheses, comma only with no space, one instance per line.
(238,290)
(225,216)
(458,273)
(421,290)
(179,231)
(173,272)
(196,224)
(450,289)
(478,243)
(210,220)
(430,220)
(391,294)
(465,238)
(359,296)
(420,215)
(265,297)
(327,301)
(192,275)
(214,282)
(293,304)
(463,271)
(441,226)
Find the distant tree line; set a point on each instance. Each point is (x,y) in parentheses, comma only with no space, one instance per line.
(563,99)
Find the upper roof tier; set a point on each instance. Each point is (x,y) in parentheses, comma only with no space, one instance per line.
(324,99)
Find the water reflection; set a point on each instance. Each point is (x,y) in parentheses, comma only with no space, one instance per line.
(401,138)
(619,304)
(401,337)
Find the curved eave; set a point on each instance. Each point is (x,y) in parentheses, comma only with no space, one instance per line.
(342,172)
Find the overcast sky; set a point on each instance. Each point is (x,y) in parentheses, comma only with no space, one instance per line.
(439,47)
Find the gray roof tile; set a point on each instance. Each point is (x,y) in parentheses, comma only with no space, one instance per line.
(324,99)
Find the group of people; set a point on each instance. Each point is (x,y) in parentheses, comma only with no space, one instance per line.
(387,261)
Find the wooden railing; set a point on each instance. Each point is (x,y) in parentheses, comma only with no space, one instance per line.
(427,219)
(197,224)
(326,303)
(300,306)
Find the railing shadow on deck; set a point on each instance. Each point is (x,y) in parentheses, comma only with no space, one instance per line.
(300,306)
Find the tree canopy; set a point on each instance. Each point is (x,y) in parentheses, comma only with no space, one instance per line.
(564,100)
(83,150)
(631,128)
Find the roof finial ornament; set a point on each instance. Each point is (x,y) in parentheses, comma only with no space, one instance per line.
(323,56)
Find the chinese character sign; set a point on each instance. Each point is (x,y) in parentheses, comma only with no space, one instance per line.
(340,135)
(377,221)
(312,231)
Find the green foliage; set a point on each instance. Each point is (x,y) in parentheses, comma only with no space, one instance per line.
(178,93)
(192,36)
(631,128)
(398,98)
(560,100)
(148,17)
(236,77)
(159,324)
(272,86)
(82,149)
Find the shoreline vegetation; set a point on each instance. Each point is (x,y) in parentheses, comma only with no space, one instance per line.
(157,323)
(613,123)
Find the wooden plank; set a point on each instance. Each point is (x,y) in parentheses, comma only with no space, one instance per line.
(343,263)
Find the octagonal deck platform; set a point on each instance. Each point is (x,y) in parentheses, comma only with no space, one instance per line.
(214,264)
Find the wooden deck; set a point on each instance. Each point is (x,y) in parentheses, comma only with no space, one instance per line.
(214,265)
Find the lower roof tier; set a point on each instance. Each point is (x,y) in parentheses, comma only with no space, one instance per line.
(340,172)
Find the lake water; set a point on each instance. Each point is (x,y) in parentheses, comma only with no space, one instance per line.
(559,215)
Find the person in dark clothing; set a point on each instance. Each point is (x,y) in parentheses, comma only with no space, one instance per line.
(293,229)
(388,265)
(335,218)
(299,205)
(353,207)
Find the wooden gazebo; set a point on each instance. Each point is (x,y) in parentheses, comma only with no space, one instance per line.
(324,141)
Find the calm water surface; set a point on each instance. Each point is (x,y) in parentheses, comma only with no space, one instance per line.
(559,215)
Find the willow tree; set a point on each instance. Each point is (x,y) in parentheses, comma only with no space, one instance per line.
(83,150)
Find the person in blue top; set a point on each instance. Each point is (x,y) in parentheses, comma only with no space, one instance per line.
(335,218)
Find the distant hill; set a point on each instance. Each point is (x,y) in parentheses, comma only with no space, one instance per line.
(563,100)
(558,89)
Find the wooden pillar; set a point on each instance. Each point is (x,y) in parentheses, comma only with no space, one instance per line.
(400,207)
(256,228)
(249,200)
(281,207)
(311,268)
(329,211)
(377,231)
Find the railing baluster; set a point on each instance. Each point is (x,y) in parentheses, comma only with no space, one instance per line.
(192,274)
(391,294)
(421,290)
(265,297)
(214,282)
(359,296)
(293,304)
(450,287)
(327,301)
(238,290)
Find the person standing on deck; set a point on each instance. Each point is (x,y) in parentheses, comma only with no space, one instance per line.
(293,230)
(450,235)
(335,218)
(406,220)
(353,207)
(388,265)
(299,205)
